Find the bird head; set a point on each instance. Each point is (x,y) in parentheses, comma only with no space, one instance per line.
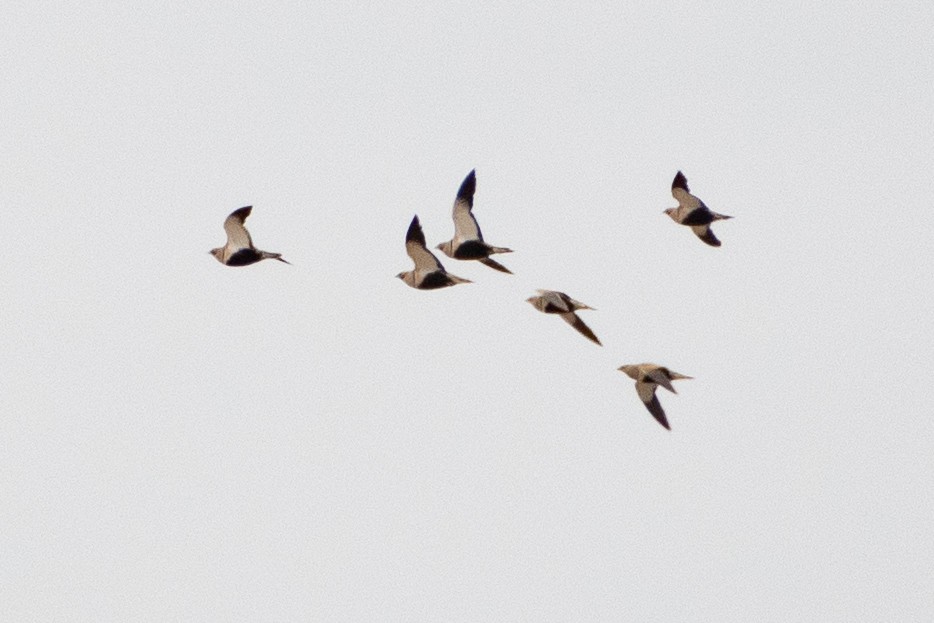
(630,371)
(408,277)
(446,248)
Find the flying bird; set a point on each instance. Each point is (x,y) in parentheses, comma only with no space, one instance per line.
(553,302)
(239,250)
(692,212)
(468,243)
(429,274)
(648,376)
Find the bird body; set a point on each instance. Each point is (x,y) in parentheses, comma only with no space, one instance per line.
(429,274)
(239,250)
(692,212)
(468,243)
(648,376)
(554,302)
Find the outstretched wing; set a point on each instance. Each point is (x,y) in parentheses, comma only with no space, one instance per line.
(647,395)
(681,192)
(425,261)
(706,234)
(655,408)
(660,376)
(574,320)
(495,265)
(237,235)
(465,225)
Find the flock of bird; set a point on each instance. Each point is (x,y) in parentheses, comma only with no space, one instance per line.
(468,244)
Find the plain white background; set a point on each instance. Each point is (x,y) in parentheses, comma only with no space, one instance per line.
(180,440)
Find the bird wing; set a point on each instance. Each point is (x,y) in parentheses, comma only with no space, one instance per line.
(495,265)
(647,395)
(574,320)
(687,202)
(237,235)
(655,408)
(680,191)
(680,182)
(465,225)
(660,376)
(706,234)
(425,261)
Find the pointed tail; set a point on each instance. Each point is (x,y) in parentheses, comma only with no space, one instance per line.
(492,250)
(268,255)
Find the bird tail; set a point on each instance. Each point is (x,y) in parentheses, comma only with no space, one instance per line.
(268,255)
(578,305)
(720,217)
(492,250)
(664,381)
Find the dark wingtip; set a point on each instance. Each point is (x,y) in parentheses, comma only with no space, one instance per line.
(584,330)
(242,213)
(661,419)
(710,238)
(468,186)
(655,408)
(680,182)
(495,265)
(414,233)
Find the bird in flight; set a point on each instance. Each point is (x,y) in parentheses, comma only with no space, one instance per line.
(239,250)
(692,212)
(648,376)
(468,243)
(553,302)
(429,274)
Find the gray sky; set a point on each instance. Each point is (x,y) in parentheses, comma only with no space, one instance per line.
(187,441)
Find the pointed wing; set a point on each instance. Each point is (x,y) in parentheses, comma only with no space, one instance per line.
(647,395)
(660,376)
(574,320)
(425,261)
(237,235)
(679,183)
(706,234)
(465,225)
(495,265)
(679,190)
(655,408)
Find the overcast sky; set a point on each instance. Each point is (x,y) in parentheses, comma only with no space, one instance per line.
(180,440)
